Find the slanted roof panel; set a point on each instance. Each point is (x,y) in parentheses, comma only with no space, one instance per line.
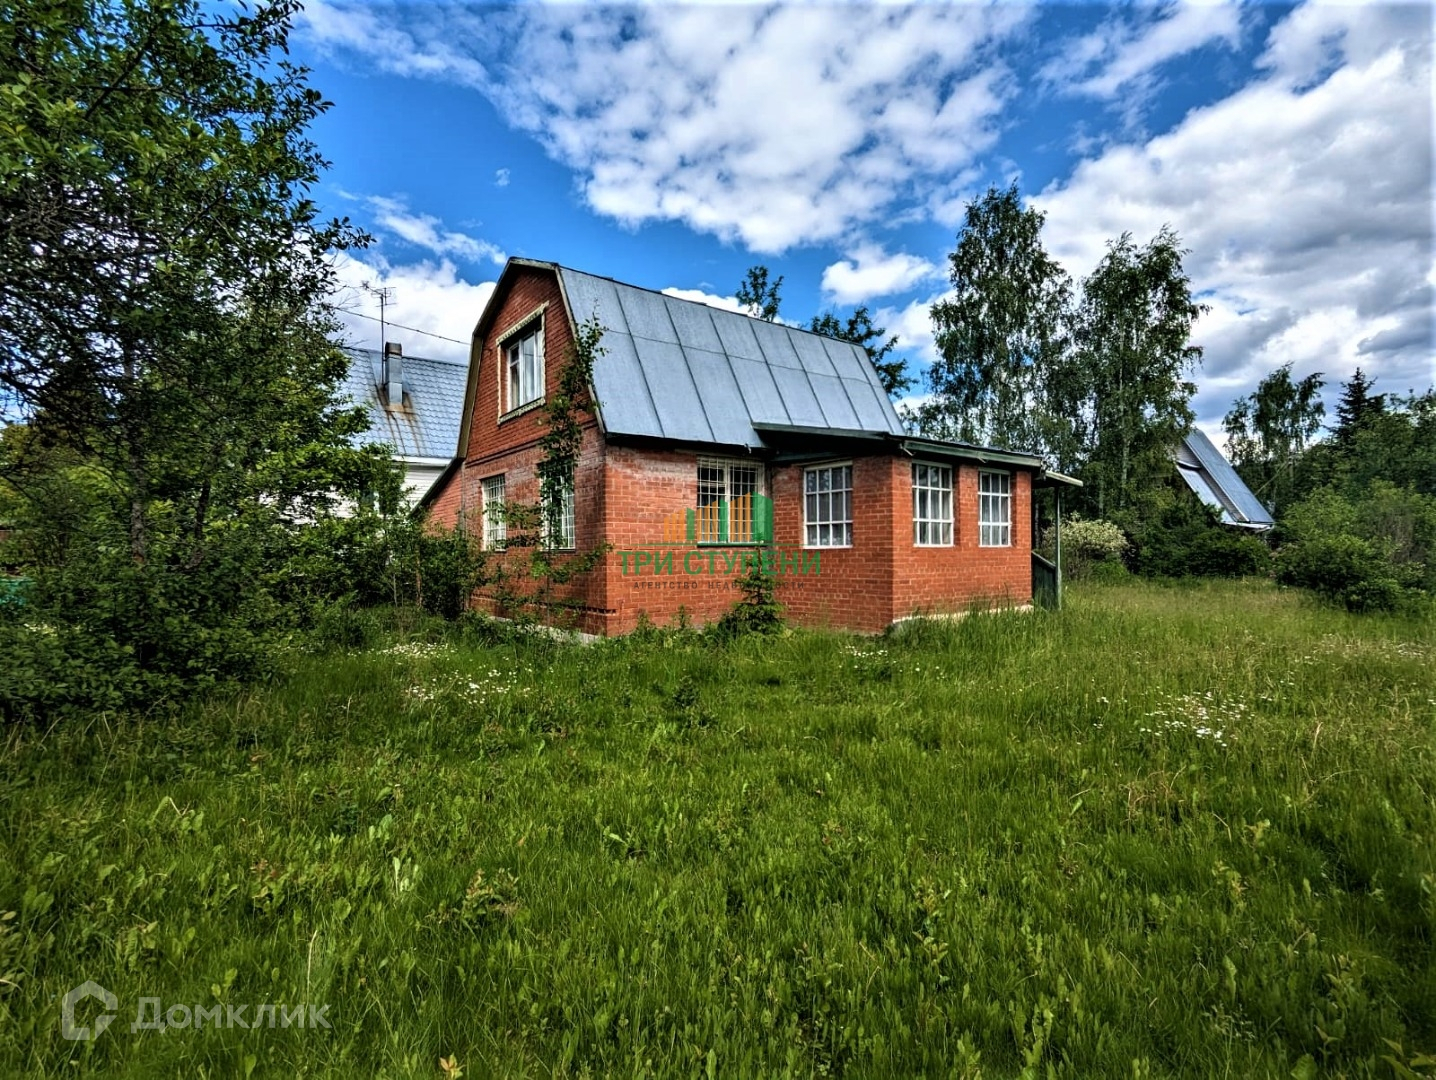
(621,386)
(723,401)
(833,400)
(776,344)
(736,333)
(1224,479)
(428,423)
(591,296)
(647,314)
(760,392)
(660,377)
(694,323)
(1198,483)
(798,398)
(874,408)
(849,360)
(675,395)
(812,354)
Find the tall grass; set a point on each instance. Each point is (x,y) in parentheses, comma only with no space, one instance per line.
(1166,832)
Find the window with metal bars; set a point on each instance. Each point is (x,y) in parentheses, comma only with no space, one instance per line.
(496,529)
(727,492)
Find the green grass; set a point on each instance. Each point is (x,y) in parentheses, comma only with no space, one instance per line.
(1008,845)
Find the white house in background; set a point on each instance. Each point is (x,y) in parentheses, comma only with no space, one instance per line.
(415,405)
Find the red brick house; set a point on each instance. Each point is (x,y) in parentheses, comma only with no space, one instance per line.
(716,441)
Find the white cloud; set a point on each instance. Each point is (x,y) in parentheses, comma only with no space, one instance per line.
(427,231)
(1305,199)
(727,303)
(912,323)
(870,272)
(773,126)
(1123,53)
(501,178)
(428,297)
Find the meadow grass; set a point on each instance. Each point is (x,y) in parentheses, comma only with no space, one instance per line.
(1170,831)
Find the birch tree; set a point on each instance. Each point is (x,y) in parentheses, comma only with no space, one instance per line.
(1132,358)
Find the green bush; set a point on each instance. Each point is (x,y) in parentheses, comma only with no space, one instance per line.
(1349,570)
(103,632)
(1373,553)
(758,612)
(1090,547)
(1187,539)
(1108,572)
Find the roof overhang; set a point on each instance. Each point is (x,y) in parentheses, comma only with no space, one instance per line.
(1050,478)
(658,442)
(802,443)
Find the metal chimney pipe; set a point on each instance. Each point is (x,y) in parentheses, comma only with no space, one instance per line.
(394,374)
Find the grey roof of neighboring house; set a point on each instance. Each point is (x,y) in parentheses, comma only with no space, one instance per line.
(427,425)
(1217,484)
(681,370)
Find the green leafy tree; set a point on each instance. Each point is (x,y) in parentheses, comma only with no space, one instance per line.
(760,298)
(1268,433)
(1396,443)
(1000,335)
(163,317)
(1128,382)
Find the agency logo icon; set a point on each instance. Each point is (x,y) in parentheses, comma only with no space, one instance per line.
(87,1033)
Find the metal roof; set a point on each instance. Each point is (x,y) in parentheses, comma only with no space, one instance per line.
(1217,484)
(427,425)
(680,370)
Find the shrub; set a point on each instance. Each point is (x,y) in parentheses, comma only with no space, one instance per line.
(1375,553)
(1214,551)
(1087,545)
(1349,570)
(758,612)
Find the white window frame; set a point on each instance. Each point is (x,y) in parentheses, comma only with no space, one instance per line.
(932,499)
(496,526)
(567,538)
(839,528)
(521,377)
(735,480)
(994,509)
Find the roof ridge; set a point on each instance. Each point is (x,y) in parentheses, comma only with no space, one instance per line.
(698,303)
(406,356)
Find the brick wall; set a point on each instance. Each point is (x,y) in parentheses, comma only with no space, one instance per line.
(507,444)
(882,577)
(444,507)
(854,586)
(644,577)
(941,580)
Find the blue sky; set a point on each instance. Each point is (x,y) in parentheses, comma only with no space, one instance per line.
(673,146)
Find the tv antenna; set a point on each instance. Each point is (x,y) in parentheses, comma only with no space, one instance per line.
(386,297)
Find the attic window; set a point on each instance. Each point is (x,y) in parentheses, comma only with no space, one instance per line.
(523,369)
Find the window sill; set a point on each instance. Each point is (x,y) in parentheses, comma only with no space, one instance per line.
(527,407)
